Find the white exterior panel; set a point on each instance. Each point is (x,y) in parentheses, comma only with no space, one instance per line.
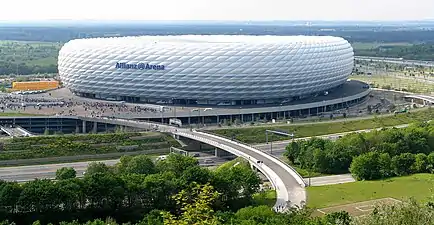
(206,67)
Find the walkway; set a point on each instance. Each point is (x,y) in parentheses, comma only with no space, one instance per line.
(16,131)
(288,183)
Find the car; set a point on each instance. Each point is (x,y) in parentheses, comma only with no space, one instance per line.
(195,154)
(161,157)
(208,161)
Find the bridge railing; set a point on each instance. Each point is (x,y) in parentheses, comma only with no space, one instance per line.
(300,178)
(277,182)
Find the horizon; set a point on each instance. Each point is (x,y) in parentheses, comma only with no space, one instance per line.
(213,10)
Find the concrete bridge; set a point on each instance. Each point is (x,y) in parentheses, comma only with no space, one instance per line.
(423,99)
(288,183)
(15,131)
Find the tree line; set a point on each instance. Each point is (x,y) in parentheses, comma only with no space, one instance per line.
(24,58)
(373,155)
(423,51)
(194,207)
(125,192)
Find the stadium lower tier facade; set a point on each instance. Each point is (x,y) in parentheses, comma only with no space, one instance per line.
(213,69)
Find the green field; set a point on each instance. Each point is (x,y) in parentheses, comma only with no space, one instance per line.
(389,82)
(372,45)
(17,114)
(253,135)
(73,146)
(265,198)
(417,186)
(24,58)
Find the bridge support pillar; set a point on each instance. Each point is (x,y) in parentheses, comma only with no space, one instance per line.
(77,129)
(253,167)
(84,127)
(189,120)
(95,127)
(242,118)
(221,153)
(218,119)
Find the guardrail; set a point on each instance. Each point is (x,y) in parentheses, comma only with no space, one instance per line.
(284,165)
(276,181)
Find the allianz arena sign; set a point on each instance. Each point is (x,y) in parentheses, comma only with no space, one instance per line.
(139,66)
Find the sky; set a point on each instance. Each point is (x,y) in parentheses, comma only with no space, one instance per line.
(19,10)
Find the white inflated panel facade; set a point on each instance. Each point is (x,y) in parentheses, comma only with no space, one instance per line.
(209,68)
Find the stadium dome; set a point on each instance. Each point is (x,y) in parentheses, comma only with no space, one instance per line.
(214,69)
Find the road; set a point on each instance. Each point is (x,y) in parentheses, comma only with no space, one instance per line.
(279,146)
(26,173)
(396,61)
(295,192)
(329,180)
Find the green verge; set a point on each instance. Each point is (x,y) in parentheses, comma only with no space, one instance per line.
(77,145)
(390,82)
(417,186)
(18,114)
(253,135)
(267,198)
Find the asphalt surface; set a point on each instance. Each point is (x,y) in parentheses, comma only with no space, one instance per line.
(48,171)
(297,194)
(329,180)
(26,173)
(348,89)
(396,61)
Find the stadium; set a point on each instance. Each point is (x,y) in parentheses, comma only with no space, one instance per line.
(205,69)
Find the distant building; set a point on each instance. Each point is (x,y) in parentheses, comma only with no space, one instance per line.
(35,85)
(208,69)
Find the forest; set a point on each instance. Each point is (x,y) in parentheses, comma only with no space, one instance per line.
(369,156)
(423,51)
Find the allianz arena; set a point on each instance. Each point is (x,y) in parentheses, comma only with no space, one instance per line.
(214,69)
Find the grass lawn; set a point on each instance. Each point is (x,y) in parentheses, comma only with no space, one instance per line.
(417,186)
(410,84)
(18,114)
(372,45)
(265,198)
(253,135)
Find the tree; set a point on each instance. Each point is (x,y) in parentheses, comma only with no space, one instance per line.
(341,218)
(104,190)
(71,194)
(255,215)
(141,164)
(65,173)
(194,207)
(421,163)
(385,165)
(292,151)
(402,164)
(430,159)
(176,163)
(9,194)
(196,174)
(97,167)
(152,218)
(39,196)
(366,166)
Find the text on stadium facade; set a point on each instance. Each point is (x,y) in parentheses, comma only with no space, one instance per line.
(139,66)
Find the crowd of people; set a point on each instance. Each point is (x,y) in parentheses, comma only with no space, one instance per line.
(72,107)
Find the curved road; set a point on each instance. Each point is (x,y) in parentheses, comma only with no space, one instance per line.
(295,191)
(288,183)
